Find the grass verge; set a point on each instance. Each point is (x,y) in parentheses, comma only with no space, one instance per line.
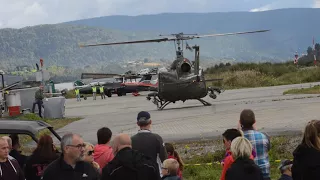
(213,152)
(311,90)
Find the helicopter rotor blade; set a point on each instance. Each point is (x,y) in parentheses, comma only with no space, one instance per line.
(171,39)
(127,42)
(227,34)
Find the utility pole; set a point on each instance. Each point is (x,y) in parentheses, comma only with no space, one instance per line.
(41,65)
(296,58)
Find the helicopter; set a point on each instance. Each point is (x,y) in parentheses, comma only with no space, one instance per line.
(183,80)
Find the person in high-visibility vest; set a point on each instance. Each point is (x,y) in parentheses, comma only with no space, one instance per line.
(103,96)
(77,91)
(94,92)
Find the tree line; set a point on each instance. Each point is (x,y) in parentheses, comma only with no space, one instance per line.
(308,59)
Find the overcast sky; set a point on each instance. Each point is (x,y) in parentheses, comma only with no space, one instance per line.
(21,13)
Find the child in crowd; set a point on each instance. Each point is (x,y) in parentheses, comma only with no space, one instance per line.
(170,169)
(174,155)
(285,169)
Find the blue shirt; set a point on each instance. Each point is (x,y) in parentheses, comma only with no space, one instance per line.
(261,144)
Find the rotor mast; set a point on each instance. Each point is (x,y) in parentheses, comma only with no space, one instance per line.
(179,38)
(179,50)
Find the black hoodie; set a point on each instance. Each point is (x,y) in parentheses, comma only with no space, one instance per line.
(36,165)
(306,163)
(130,164)
(244,168)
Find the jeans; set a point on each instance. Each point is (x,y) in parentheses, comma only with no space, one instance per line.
(94,95)
(78,97)
(39,103)
(103,96)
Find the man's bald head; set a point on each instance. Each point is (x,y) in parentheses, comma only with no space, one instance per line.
(9,140)
(121,141)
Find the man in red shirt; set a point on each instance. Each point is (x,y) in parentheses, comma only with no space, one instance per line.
(228,136)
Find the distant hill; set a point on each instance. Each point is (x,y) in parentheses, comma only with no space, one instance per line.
(291,29)
(59,45)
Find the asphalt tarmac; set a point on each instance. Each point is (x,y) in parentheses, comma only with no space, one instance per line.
(275,114)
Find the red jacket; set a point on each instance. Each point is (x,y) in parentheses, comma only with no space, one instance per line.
(102,155)
(179,170)
(227,164)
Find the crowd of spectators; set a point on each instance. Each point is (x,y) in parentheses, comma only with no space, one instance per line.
(145,156)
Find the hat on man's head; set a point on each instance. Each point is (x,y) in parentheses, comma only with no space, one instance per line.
(284,164)
(143,117)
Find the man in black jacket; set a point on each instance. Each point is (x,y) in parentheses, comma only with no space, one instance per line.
(128,163)
(9,169)
(148,143)
(69,166)
(15,152)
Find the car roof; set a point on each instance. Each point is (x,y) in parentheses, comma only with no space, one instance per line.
(22,126)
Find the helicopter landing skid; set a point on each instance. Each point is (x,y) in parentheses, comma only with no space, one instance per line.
(157,101)
(205,103)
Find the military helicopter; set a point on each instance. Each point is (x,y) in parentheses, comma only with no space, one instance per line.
(184,80)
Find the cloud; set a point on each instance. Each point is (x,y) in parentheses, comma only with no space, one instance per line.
(263,8)
(316,4)
(21,13)
(279,4)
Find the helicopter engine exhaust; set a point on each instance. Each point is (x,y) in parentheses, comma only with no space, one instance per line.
(185,67)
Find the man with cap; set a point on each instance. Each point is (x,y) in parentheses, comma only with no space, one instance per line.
(285,169)
(148,143)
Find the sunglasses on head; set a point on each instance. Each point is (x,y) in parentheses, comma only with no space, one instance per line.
(90,153)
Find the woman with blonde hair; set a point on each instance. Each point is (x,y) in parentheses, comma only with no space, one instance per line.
(88,156)
(306,161)
(243,167)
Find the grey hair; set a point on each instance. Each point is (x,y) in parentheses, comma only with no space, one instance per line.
(3,139)
(8,139)
(282,169)
(66,140)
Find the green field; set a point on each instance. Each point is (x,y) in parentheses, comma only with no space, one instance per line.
(311,90)
(249,75)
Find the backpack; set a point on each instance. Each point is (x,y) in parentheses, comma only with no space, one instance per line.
(146,167)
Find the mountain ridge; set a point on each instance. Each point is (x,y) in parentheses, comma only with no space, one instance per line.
(58,43)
